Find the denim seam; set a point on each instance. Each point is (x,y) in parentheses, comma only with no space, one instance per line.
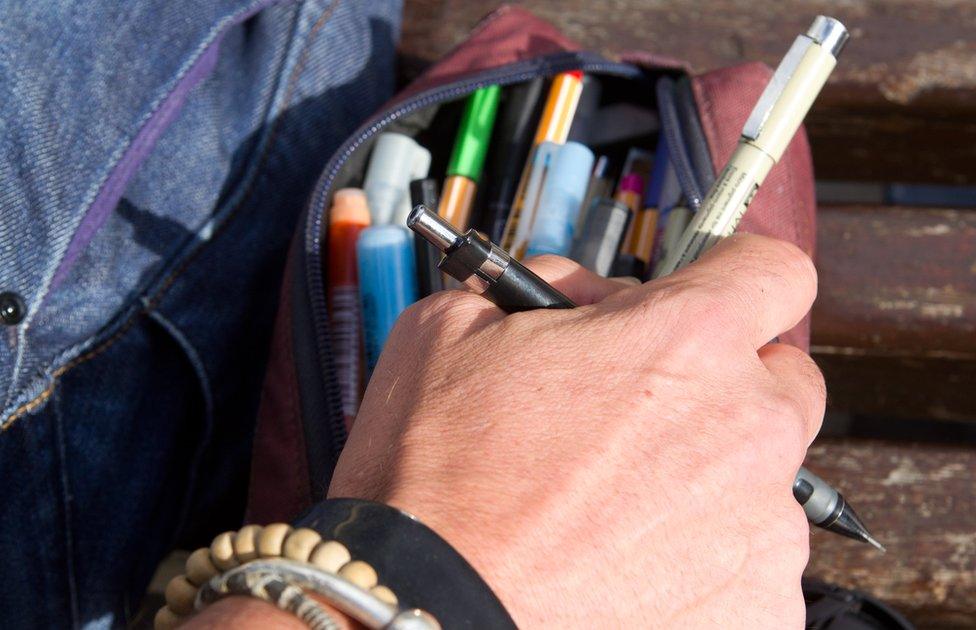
(114,159)
(196,363)
(153,301)
(66,513)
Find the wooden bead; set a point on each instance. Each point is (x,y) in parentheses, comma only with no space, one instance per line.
(199,567)
(359,573)
(384,594)
(271,539)
(222,551)
(300,543)
(180,594)
(166,619)
(330,556)
(246,543)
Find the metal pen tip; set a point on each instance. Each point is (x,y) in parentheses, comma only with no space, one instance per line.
(874,543)
(432,227)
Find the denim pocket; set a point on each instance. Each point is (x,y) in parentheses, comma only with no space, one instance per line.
(98,485)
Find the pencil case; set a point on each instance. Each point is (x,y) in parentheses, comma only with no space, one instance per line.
(301,429)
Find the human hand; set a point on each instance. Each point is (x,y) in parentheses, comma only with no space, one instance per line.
(630,460)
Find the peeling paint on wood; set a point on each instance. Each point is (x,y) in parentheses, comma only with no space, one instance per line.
(919,501)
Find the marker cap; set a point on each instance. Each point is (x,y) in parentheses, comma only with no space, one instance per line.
(387,282)
(395,161)
(348,216)
(349,206)
(560,200)
(474,133)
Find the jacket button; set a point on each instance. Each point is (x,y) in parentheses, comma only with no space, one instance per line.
(12,308)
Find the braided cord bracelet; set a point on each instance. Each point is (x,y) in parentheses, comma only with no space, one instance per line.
(229,566)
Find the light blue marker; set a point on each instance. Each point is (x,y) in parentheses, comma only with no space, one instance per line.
(560,200)
(387,283)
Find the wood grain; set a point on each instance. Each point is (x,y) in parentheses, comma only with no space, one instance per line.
(894,324)
(918,500)
(899,106)
(900,51)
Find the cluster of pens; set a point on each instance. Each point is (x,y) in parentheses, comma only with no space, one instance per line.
(546,192)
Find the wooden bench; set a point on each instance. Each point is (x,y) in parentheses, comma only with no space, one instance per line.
(893,327)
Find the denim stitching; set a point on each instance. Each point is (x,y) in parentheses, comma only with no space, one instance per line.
(66,503)
(196,363)
(38,400)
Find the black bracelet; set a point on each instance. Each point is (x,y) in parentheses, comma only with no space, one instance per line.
(421,567)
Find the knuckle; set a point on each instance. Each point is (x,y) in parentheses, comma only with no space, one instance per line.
(439,314)
(795,264)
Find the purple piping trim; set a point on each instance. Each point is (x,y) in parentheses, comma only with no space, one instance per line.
(145,140)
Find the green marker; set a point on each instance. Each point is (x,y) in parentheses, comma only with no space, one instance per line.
(468,157)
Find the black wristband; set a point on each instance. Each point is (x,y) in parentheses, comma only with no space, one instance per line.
(412,560)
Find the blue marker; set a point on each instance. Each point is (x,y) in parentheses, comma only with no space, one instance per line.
(387,283)
(560,200)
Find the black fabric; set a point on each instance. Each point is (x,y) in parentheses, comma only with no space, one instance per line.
(831,607)
(419,566)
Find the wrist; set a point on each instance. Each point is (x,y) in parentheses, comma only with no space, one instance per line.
(247,613)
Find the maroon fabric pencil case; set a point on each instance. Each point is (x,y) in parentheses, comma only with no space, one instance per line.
(300,430)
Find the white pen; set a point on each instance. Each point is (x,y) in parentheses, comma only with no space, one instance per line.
(773,123)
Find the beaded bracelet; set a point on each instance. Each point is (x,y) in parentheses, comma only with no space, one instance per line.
(304,547)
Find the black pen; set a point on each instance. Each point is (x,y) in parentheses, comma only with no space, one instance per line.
(488,270)
(484,267)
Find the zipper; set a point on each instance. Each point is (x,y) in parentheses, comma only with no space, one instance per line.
(317,214)
(696,145)
(671,128)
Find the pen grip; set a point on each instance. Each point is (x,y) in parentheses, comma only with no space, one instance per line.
(518,289)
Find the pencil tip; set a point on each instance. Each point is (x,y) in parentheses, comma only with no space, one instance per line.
(874,543)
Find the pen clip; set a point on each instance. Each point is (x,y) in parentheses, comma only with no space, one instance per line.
(760,113)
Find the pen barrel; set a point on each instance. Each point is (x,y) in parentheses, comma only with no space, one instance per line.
(723,207)
(786,113)
(485,268)
(820,501)
(519,289)
(456,200)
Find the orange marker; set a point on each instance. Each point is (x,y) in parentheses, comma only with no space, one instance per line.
(557,118)
(348,217)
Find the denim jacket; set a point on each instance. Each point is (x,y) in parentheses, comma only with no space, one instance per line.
(154,157)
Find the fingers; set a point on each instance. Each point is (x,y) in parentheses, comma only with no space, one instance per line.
(801,381)
(754,286)
(577,283)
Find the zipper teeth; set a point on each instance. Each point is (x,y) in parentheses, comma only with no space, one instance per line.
(317,215)
(670,126)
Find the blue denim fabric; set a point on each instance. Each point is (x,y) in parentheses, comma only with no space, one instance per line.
(154,156)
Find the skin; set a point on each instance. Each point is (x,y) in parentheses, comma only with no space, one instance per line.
(630,460)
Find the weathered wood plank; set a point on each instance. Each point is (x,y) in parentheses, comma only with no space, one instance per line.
(901,51)
(919,501)
(894,325)
(900,279)
(899,106)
